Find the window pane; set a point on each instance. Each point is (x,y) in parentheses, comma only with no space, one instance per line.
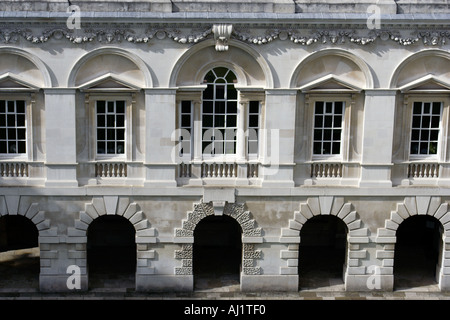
(11,134)
(120,133)
(435,122)
(338,107)
(426,122)
(415,135)
(319,107)
(424,135)
(2,106)
(231,121)
(208,106)
(110,120)
(2,120)
(318,121)
(336,148)
(210,77)
(220,92)
(424,148)
(327,135)
(101,121)
(207,121)
(328,122)
(326,148)
(437,108)
(219,121)
(317,148)
(414,148)
(434,135)
(12,147)
(185,107)
(20,106)
(220,107)
(417,109)
(11,106)
(21,146)
(208,93)
(100,147)
(20,120)
(254,107)
(110,106)
(337,134)
(11,120)
(3,148)
(120,121)
(101,134)
(21,134)
(120,106)
(111,134)
(111,147)
(433,148)
(120,147)
(100,106)
(231,92)
(232,107)
(185,120)
(318,134)
(253,121)
(253,147)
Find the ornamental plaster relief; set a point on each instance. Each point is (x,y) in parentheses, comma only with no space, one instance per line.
(303,35)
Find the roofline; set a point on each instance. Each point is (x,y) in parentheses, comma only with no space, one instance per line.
(205,17)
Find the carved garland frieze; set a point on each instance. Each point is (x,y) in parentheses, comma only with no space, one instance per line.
(222,33)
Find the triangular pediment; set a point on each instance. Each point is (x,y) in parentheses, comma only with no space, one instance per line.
(10,81)
(330,83)
(109,81)
(428,83)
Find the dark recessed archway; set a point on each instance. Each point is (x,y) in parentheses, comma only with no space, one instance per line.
(111,252)
(217,252)
(417,252)
(19,253)
(322,252)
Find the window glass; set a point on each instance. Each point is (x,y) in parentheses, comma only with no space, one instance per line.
(327,132)
(426,120)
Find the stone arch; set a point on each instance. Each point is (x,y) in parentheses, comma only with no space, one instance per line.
(249,66)
(21,65)
(411,206)
(9,205)
(344,66)
(326,205)
(114,205)
(250,236)
(132,68)
(433,62)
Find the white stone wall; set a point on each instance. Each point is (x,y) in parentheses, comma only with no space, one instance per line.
(286,64)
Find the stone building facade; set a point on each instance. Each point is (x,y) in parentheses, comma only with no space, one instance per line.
(288,119)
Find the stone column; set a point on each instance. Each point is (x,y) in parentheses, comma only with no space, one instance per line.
(379,114)
(60,136)
(160,168)
(277,158)
(241,144)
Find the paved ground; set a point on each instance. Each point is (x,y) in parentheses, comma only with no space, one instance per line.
(19,281)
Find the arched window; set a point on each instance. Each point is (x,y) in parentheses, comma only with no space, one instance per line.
(219,112)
